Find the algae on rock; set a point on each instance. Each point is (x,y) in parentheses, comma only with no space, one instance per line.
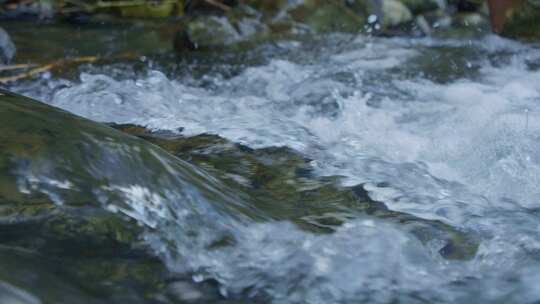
(63,215)
(76,197)
(523,22)
(280,182)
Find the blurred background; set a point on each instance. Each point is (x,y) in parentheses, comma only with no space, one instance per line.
(41,32)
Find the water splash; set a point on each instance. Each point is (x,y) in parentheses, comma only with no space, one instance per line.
(442,139)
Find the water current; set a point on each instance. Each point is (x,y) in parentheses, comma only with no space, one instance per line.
(442,129)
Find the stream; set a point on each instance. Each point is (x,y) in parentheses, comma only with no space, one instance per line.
(442,129)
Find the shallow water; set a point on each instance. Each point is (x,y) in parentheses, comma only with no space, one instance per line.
(441,129)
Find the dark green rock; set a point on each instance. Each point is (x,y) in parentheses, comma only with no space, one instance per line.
(327,16)
(523,22)
(280,182)
(70,234)
(60,239)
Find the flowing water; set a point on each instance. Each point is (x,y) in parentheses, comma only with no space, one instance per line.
(442,129)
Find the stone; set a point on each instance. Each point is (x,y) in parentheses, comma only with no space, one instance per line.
(74,211)
(327,16)
(213,31)
(521,21)
(66,234)
(248,22)
(473,20)
(14,295)
(280,174)
(395,13)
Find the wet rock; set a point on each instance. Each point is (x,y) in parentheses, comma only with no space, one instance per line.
(38,278)
(185,291)
(519,21)
(188,292)
(279,174)
(12,294)
(249,27)
(394,13)
(438,20)
(248,22)
(388,17)
(205,33)
(64,236)
(327,16)
(77,197)
(7,48)
(241,25)
(474,20)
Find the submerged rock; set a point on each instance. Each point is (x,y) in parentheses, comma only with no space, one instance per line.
(394,13)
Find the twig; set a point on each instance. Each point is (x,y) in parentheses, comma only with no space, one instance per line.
(30,73)
(16,67)
(47,67)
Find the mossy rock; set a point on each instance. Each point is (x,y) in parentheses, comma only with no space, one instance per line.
(41,240)
(208,32)
(523,22)
(66,231)
(60,242)
(394,13)
(327,16)
(280,182)
(59,279)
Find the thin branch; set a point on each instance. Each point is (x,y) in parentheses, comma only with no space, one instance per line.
(16,67)
(47,67)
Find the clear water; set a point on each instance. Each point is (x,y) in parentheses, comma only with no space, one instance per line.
(442,129)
